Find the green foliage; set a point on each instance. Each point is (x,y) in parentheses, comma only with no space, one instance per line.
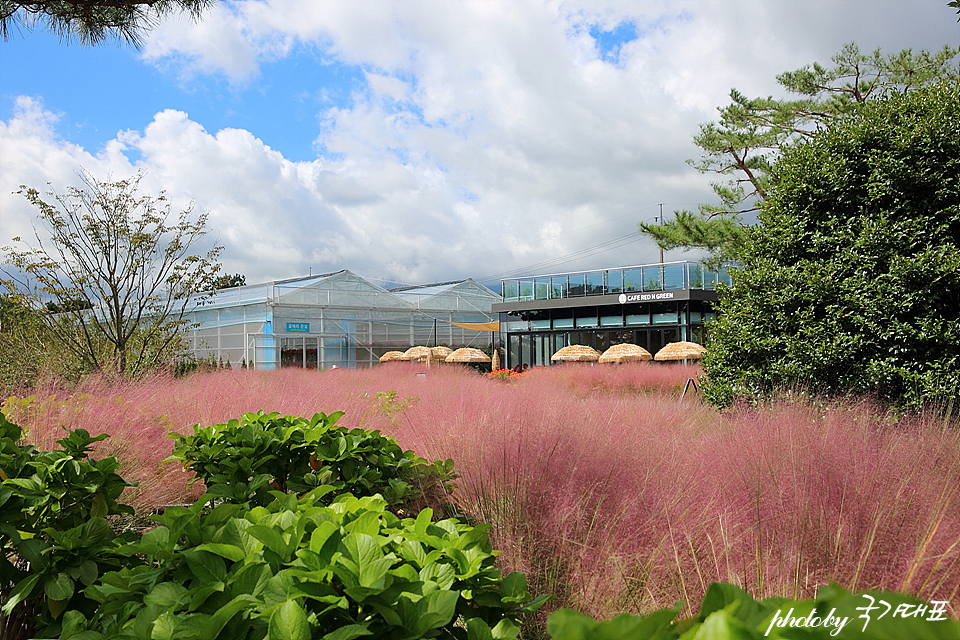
(730,613)
(302,568)
(243,460)
(851,282)
(227,281)
(119,269)
(53,533)
(91,22)
(744,144)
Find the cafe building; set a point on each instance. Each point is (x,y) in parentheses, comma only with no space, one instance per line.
(648,305)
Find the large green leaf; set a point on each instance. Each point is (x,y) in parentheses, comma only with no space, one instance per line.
(348,632)
(289,622)
(59,586)
(366,562)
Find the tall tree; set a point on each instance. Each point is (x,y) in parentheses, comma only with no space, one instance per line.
(227,281)
(118,267)
(751,132)
(851,280)
(93,21)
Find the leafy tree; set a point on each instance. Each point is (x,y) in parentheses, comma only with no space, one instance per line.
(226,281)
(751,133)
(851,280)
(91,22)
(117,268)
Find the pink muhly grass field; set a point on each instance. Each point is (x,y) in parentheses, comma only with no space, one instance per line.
(599,483)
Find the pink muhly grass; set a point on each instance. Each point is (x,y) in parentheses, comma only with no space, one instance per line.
(630,377)
(611,495)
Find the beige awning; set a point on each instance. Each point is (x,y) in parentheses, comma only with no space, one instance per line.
(476,326)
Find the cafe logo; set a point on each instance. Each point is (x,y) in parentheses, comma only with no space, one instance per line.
(645,297)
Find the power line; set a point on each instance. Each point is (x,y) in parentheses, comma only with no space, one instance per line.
(616,243)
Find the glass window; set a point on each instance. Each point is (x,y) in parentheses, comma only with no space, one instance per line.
(611,321)
(511,292)
(709,279)
(577,287)
(586,317)
(695,276)
(541,288)
(724,276)
(614,281)
(652,279)
(664,313)
(594,284)
(562,318)
(526,290)
(558,287)
(511,323)
(538,319)
(642,317)
(673,276)
(541,350)
(513,351)
(632,280)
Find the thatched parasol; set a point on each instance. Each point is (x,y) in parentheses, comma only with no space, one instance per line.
(468,354)
(416,353)
(495,360)
(680,351)
(576,353)
(625,353)
(439,354)
(391,356)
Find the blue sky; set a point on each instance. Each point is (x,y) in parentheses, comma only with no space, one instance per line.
(105,89)
(419,141)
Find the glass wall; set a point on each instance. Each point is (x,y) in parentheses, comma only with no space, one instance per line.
(532,337)
(654,277)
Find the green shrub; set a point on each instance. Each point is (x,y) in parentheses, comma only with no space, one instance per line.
(243,460)
(850,283)
(53,533)
(299,568)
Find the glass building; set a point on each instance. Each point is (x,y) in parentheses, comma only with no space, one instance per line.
(336,319)
(648,305)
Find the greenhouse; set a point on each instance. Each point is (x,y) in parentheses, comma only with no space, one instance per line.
(336,319)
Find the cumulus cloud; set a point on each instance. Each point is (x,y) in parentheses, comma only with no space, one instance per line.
(485,136)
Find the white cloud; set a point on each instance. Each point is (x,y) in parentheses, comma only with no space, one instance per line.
(485,126)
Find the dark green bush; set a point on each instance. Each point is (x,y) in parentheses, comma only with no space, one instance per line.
(54,537)
(243,460)
(850,283)
(301,569)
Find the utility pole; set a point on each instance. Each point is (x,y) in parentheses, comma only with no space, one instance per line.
(661,222)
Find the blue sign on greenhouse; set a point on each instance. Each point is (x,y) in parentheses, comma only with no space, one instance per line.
(298,327)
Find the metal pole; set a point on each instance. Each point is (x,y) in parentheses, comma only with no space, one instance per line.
(661,222)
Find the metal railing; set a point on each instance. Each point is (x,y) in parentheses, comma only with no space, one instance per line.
(666,276)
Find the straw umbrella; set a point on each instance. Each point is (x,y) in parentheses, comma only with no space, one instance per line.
(576,353)
(495,360)
(680,351)
(391,356)
(468,355)
(439,354)
(419,354)
(625,353)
